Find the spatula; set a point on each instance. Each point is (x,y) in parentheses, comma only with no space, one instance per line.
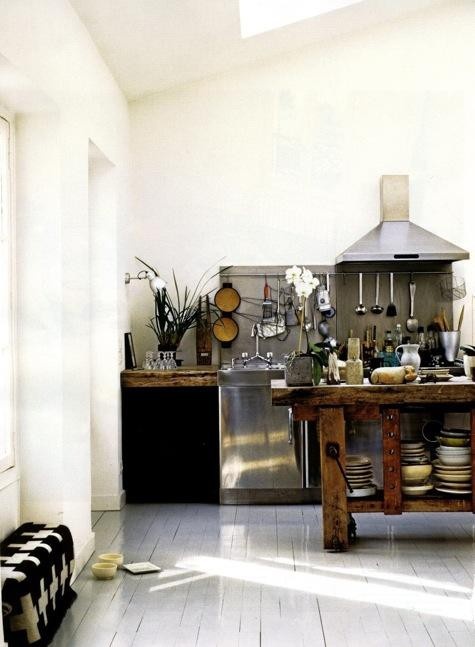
(391,310)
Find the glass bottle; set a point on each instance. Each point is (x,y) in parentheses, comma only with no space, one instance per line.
(398,335)
(421,338)
(390,358)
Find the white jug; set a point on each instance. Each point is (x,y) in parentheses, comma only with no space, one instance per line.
(409,355)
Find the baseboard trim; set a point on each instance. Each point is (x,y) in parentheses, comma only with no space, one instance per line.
(82,555)
(268,496)
(101,502)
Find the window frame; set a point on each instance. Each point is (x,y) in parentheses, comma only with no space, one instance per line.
(8,461)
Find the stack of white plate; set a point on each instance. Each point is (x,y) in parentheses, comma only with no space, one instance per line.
(453,470)
(413,453)
(359,472)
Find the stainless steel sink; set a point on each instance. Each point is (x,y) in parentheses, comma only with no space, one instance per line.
(250,376)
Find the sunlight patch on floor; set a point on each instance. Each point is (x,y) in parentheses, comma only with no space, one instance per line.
(343,588)
(412,580)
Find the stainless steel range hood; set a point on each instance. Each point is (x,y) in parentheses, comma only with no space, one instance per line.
(396,238)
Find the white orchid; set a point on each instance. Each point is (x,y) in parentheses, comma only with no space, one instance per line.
(303,289)
(292,274)
(304,283)
(303,280)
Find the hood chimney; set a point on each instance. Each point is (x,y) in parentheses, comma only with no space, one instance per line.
(396,238)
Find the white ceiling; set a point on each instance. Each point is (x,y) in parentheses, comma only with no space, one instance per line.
(152,45)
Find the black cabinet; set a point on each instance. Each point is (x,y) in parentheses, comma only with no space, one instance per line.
(170,444)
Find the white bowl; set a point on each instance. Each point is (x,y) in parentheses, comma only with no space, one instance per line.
(104,570)
(114,558)
(455,460)
(453,450)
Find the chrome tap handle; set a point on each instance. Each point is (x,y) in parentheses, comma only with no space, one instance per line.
(291,426)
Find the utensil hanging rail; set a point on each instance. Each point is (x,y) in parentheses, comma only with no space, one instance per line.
(279,275)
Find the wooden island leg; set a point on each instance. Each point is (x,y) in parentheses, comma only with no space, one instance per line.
(334,507)
(392,461)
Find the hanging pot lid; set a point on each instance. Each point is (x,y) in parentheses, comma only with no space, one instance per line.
(225,329)
(227,299)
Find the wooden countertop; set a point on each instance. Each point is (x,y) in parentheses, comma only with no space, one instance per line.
(183,376)
(458,391)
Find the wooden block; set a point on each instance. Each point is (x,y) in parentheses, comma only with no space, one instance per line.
(392,462)
(304,412)
(331,425)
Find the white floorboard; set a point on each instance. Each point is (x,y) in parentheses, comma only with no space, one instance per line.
(257,576)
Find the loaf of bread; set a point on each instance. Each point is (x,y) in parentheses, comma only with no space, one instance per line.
(393,375)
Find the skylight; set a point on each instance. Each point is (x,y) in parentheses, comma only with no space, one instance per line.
(259,16)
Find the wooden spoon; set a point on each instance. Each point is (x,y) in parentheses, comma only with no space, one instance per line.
(461,318)
(444,319)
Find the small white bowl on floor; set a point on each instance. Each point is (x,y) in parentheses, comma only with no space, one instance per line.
(104,570)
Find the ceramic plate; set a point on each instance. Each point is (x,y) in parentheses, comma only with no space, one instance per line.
(416,490)
(450,491)
(452,478)
(367,491)
(450,468)
(357,459)
(413,452)
(453,486)
(423,460)
(350,469)
(360,479)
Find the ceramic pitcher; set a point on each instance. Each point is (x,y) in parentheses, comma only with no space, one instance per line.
(408,355)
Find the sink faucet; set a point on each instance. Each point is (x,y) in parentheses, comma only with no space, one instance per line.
(268,358)
(255,333)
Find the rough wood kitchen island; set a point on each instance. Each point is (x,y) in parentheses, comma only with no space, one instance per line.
(332,406)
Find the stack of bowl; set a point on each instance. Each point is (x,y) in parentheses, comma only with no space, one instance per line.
(415,469)
(453,465)
(359,472)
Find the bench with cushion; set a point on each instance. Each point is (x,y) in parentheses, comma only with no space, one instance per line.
(37,562)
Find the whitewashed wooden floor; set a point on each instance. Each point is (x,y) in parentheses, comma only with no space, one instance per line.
(253,576)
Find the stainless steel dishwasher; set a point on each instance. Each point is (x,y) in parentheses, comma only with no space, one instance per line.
(264,456)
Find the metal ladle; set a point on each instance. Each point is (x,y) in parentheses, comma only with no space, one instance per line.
(360,308)
(377,309)
(412,323)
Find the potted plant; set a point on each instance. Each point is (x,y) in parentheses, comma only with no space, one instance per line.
(304,368)
(174,315)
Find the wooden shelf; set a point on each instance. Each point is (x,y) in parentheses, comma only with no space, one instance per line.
(184,376)
(433,502)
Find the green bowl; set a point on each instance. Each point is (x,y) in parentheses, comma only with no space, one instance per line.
(454,442)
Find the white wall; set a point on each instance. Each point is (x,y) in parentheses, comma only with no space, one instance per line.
(280,162)
(71,99)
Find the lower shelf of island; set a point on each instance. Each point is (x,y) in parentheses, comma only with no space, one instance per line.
(432,502)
